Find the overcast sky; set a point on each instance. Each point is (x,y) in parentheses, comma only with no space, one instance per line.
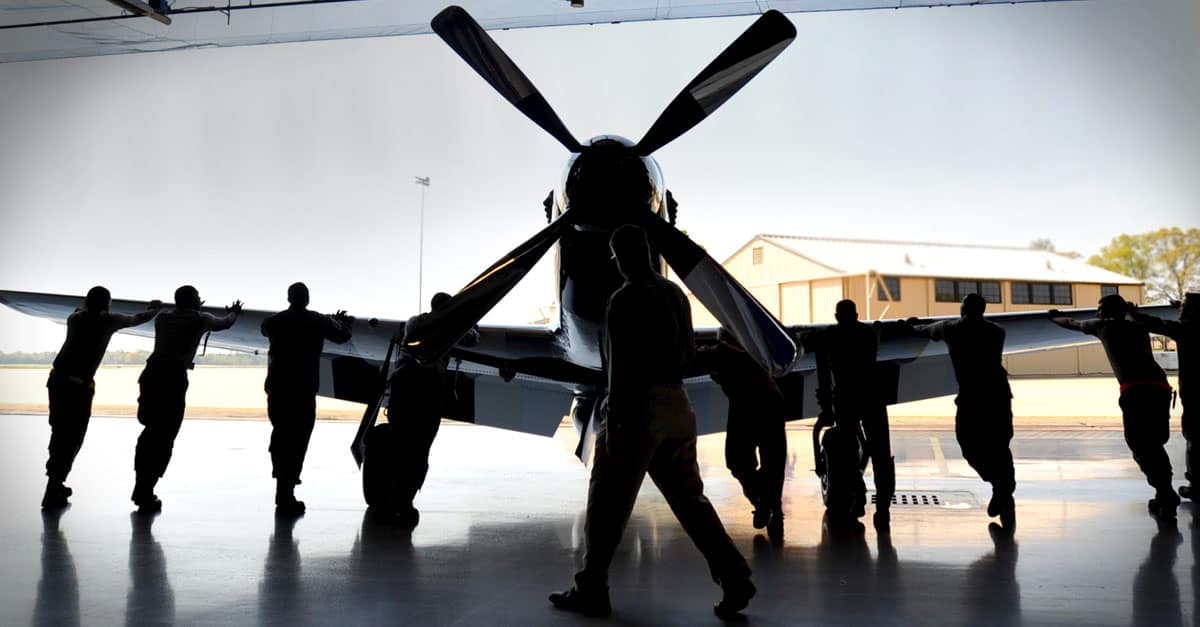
(242,170)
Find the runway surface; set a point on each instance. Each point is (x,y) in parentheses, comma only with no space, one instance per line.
(501,527)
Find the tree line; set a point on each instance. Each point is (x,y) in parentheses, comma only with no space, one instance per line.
(135,358)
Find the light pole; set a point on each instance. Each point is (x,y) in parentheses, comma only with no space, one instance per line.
(424,183)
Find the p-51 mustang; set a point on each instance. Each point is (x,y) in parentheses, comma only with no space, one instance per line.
(527,378)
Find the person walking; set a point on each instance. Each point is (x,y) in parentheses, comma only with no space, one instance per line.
(648,426)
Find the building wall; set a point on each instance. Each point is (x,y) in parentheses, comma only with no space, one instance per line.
(795,303)
(916,293)
(825,295)
(777,264)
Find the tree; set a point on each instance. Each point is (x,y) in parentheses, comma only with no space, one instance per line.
(1167,260)
(1043,243)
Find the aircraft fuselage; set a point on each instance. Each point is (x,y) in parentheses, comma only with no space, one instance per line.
(606,185)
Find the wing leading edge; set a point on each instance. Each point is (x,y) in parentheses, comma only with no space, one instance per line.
(517,378)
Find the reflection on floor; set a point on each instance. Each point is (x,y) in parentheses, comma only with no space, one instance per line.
(501,528)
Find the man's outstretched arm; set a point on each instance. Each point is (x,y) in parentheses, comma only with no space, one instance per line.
(124,321)
(1067,323)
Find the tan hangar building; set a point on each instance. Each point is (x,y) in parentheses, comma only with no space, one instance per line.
(800,279)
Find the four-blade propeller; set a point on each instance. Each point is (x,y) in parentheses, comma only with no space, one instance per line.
(462,33)
(757,330)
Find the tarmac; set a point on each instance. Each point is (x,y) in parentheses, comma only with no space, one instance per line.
(501,527)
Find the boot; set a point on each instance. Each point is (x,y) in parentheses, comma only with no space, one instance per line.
(1185,490)
(1005,507)
(586,602)
(285,500)
(738,592)
(55,496)
(882,518)
(775,526)
(1164,503)
(143,495)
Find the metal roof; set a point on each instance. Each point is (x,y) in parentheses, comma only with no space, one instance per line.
(60,31)
(952,261)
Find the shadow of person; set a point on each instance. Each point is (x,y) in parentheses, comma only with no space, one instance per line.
(993,595)
(1195,533)
(150,600)
(281,600)
(57,601)
(1155,588)
(887,592)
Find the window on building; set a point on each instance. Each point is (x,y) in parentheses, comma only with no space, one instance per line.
(1041,293)
(943,291)
(1020,293)
(893,287)
(990,291)
(756,255)
(947,291)
(1061,293)
(1109,290)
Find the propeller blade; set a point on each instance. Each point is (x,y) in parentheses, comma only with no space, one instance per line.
(462,33)
(763,337)
(441,329)
(729,72)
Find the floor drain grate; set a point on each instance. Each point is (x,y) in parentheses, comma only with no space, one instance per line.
(912,498)
(946,499)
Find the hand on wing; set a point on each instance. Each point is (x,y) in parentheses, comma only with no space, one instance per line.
(154,305)
(235,307)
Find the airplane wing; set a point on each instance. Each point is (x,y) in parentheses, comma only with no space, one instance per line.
(489,390)
(912,368)
(517,377)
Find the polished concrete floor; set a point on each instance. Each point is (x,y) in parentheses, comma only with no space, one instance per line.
(501,527)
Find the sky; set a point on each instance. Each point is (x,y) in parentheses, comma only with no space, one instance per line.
(241,170)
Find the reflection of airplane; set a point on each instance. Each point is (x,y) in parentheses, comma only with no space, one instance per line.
(525,378)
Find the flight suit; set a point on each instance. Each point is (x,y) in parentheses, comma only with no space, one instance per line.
(1145,394)
(1186,334)
(846,363)
(755,440)
(163,386)
(71,384)
(418,390)
(296,337)
(983,421)
(649,427)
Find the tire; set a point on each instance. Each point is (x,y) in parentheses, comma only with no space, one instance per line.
(378,479)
